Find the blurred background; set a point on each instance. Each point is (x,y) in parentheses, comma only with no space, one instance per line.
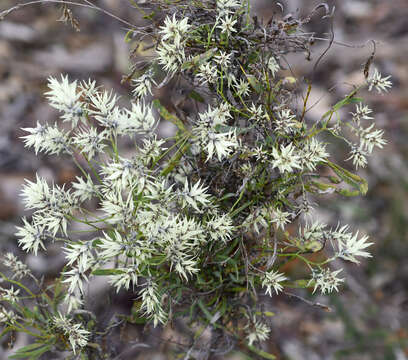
(369,317)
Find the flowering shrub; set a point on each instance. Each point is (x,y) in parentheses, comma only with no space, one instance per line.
(199,223)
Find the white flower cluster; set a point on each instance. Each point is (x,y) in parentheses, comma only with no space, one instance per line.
(272,280)
(326,280)
(78,337)
(147,219)
(18,268)
(171,54)
(213,142)
(257,331)
(189,212)
(369,136)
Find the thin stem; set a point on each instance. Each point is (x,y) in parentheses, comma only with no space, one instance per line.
(87,4)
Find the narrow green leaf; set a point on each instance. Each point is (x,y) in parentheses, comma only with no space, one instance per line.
(106,272)
(166,115)
(354,180)
(32,351)
(196,96)
(347,100)
(261,353)
(199,59)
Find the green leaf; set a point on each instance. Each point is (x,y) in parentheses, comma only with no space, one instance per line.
(324,188)
(354,180)
(255,84)
(346,101)
(199,59)
(261,353)
(196,96)
(166,115)
(128,36)
(265,313)
(106,272)
(32,351)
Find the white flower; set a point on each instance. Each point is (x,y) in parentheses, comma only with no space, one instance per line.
(128,276)
(102,103)
(358,155)
(64,97)
(75,278)
(36,194)
(143,85)
(311,153)
(259,332)
(221,144)
(370,137)
(223,59)
(225,7)
(281,218)
(118,207)
(19,268)
(81,254)
(151,303)
(171,56)
(285,122)
(194,195)
(130,245)
(313,232)
(49,139)
(151,149)
(242,87)
(227,25)
(125,174)
(381,84)
(90,141)
(213,117)
(174,29)
(88,89)
(286,160)
(36,138)
(220,228)
(272,280)
(207,73)
(9,295)
(273,66)
(326,280)
(31,236)
(84,190)
(7,316)
(362,113)
(349,246)
(56,141)
(73,301)
(257,113)
(77,335)
(139,119)
(53,205)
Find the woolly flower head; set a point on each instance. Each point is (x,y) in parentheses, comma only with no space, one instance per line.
(78,336)
(326,280)
(225,7)
(227,25)
(272,281)
(64,96)
(257,331)
(362,112)
(350,246)
(174,29)
(380,83)
(358,155)
(286,160)
(18,268)
(273,65)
